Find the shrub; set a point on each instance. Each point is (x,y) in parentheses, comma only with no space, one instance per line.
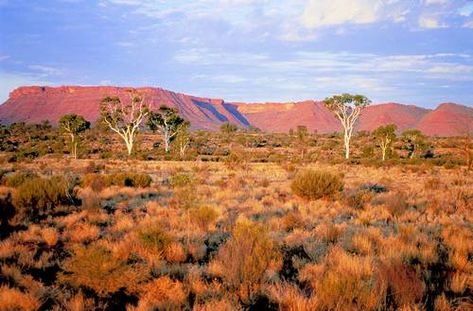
(316,184)
(39,196)
(181,180)
(96,268)
(204,216)
(97,181)
(345,282)
(15,180)
(13,299)
(246,257)
(162,294)
(155,239)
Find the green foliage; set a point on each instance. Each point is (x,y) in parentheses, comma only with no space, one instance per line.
(228,128)
(413,141)
(155,239)
(340,102)
(73,124)
(17,179)
(39,196)
(181,180)
(316,184)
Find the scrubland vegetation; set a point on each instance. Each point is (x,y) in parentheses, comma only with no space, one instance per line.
(242,220)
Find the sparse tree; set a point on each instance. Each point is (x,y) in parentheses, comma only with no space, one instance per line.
(165,121)
(413,140)
(124,118)
(385,136)
(228,128)
(466,147)
(183,138)
(347,109)
(302,134)
(73,125)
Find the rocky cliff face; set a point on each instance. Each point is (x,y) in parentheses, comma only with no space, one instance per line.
(36,103)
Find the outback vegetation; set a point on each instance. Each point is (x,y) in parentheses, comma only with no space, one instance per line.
(232,220)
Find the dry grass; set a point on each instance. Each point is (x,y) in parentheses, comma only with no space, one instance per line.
(236,236)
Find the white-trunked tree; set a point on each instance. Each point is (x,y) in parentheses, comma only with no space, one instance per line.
(124,117)
(347,109)
(166,121)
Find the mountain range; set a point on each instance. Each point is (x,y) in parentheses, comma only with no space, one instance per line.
(34,104)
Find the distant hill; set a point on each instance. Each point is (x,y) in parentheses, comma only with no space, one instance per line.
(37,103)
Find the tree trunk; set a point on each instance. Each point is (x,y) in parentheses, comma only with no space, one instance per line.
(73,146)
(347,145)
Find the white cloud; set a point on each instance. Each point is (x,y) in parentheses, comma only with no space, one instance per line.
(10,81)
(430,22)
(336,12)
(436,2)
(468,24)
(45,71)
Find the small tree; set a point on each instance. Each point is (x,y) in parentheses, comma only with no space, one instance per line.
(228,128)
(466,147)
(166,121)
(124,118)
(385,136)
(183,138)
(413,140)
(73,125)
(347,109)
(302,134)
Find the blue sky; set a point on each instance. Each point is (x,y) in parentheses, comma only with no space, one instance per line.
(409,51)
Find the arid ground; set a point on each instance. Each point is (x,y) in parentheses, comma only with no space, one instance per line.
(249,221)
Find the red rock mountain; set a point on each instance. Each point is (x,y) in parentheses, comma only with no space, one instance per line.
(35,104)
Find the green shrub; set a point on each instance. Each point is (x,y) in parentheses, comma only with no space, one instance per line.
(15,180)
(38,196)
(316,184)
(181,180)
(155,239)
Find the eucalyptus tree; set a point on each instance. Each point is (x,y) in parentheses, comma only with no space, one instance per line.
(124,117)
(347,109)
(73,125)
(385,136)
(165,121)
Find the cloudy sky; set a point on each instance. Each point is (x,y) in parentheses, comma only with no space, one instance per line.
(408,51)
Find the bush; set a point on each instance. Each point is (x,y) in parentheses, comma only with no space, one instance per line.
(97,181)
(15,180)
(316,184)
(181,180)
(204,216)
(155,239)
(39,196)
(245,258)
(97,268)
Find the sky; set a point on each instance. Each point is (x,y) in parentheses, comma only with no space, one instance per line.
(407,51)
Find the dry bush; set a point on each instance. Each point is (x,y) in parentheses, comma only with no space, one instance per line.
(246,257)
(50,236)
(316,184)
(345,282)
(13,299)
(404,283)
(396,203)
(204,216)
(162,294)
(221,305)
(291,298)
(79,303)
(97,268)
